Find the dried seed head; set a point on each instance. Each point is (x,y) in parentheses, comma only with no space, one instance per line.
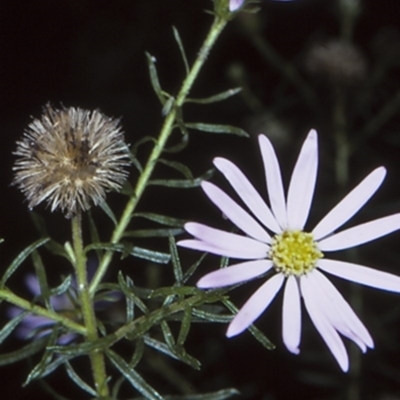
(70,157)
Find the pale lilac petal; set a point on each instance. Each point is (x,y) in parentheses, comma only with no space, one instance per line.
(219,251)
(235,4)
(255,306)
(291,316)
(339,312)
(235,213)
(361,233)
(274,181)
(247,193)
(321,323)
(234,274)
(350,205)
(227,240)
(361,274)
(302,183)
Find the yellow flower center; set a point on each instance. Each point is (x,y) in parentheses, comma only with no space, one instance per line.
(294,253)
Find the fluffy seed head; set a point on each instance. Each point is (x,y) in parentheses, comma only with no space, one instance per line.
(70,157)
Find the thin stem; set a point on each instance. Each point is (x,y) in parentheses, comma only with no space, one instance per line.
(87,308)
(38,310)
(167,128)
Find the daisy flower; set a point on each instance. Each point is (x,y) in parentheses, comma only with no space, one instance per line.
(275,241)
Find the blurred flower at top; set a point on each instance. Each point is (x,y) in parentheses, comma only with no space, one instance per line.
(36,326)
(276,243)
(236,4)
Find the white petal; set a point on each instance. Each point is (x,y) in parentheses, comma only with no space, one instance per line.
(235,213)
(234,274)
(360,274)
(247,193)
(302,183)
(291,316)
(321,323)
(274,180)
(227,240)
(361,233)
(339,312)
(235,4)
(350,205)
(255,306)
(219,251)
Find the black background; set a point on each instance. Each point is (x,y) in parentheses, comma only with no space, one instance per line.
(91,54)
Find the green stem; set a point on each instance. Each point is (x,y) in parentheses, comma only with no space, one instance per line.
(167,128)
(38,310)
(87,308)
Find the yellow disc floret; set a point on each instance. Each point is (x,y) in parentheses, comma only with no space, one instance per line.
(294,252)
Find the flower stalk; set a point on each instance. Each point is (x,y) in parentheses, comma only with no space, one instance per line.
(167,128)
(87,308)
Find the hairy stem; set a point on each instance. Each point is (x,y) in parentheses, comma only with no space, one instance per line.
(167,128)
(87,308)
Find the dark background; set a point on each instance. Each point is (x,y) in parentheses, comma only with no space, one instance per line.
(91,54)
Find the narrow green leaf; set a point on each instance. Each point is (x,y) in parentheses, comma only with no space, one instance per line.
(161,219)
(21,258)
(154,232)
(175,291)
(146,254)
(181,145)
(127,288)
(58,290)
(218,97)
(155,82)
(217,128)
(42,278)
(168,106)
(24,352)
(138,353)
(39,370)
(151,255)
(130,304)
(219,395)
(52,246)
(159,346)
(78,380)
(176,263)
(9,327)
(180,122)
(252,329)
(182,183)
(211,317)
(191,270)
(133,377)
(185,327)
(75,350)
(106,208)
(70,252)
(183,169)
(181,49)
(168,336)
